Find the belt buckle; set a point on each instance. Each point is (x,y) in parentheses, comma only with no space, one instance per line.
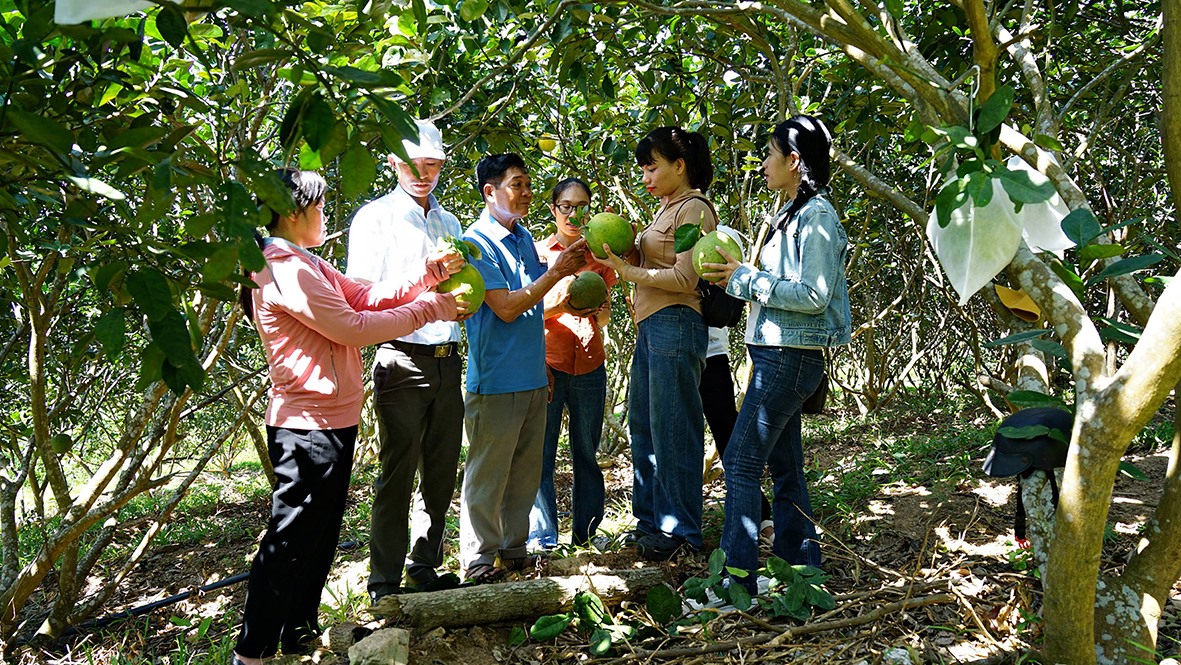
(443,351)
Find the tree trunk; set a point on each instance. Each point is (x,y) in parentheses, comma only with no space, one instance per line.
(513,601)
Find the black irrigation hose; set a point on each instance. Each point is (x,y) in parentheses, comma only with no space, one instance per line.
(155,605)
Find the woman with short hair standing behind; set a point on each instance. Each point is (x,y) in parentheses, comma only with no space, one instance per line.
(664,407)
(800,306)
(312,319)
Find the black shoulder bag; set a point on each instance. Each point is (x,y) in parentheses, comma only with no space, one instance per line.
(718,308)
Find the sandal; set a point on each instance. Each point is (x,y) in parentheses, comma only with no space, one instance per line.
(521,564)
(483,573)
(767,533)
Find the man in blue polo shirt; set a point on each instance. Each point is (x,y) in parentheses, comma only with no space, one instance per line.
(506,380)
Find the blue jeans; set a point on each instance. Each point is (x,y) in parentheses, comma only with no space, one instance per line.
(666,424)
(584,396)
(768,434)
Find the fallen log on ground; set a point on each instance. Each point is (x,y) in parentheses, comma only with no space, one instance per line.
(513,601)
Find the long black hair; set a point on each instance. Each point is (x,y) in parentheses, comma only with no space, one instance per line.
(810,139)
(307,189)
(673,143)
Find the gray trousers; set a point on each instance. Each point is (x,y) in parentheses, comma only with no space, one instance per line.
(506,435)
(420,427)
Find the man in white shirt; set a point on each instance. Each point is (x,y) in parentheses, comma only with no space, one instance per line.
(416,379)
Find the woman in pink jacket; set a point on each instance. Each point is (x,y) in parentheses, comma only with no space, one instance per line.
(312,321)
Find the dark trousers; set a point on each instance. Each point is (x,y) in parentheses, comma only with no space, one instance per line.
(293,561)
(419,408)
(717,400)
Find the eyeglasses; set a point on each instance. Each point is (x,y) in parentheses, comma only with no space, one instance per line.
(566,208)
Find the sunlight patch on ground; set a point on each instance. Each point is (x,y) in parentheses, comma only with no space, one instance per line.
(999,546)
(996,493)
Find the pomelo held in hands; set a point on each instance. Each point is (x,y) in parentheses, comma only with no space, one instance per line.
(607,227)
(706,251)
(587,290)
(467,284)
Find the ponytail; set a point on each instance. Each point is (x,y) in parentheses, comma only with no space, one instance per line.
(246,293)
(810,139)
(673,143)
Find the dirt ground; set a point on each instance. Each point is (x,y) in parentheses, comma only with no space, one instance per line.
(956,537)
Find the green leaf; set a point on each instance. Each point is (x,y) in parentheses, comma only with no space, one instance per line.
(111,331)
(178,377)
(1015,338)
(151,292)
(994,111)
(821,599)
(1096,252)
(317,121)
(238,213)
(420,15)
(717,562)
(218,291)
(1052,348)
(365,77)
(42,130)
(171,334)
(1081,226)
(590,610)
(1029,398)
(980,188)
(471,10)
(550,626)
(1021,187)
(291,128)
(262,56)
(895,8)
(663,605)
(267,184)
(358,171)
(517,636)
(221,265)
(740,597)
(685,237)
(600,642)
(1119,332)
(172,25)
(1069,277)
(96,186)
(104,275)
(953,195)
(151,367)
(780,569)
(1127,266)
(250,255)
(1132,471)
(1048,143)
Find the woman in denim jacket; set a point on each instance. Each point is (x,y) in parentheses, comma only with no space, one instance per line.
(800,306)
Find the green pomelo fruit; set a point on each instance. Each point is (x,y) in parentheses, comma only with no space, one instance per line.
(706,250)
(607,227)
(469,276)
(61,443)
(587,291)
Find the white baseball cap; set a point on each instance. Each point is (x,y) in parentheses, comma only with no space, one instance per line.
(429,146)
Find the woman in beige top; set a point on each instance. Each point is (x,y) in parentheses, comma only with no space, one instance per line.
(664,407)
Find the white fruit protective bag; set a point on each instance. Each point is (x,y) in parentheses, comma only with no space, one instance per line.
(979,242)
